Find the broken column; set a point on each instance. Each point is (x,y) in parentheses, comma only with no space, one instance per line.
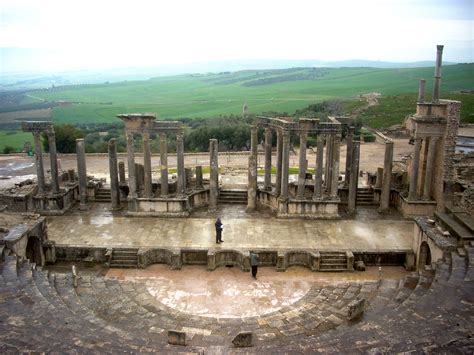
(199,177)
(354,177)
(421,91)
(252,173)
(82,172)
(180,159)
(214,174)
(278,163)
(349,138)
(53,160)
(387,177)
(429,168)
(302,166)
(437,77)
(318,181)
(285,165)
(415,166)
(147,165)
(164,164)
(121,167)
(39,162)
(268,160)
(335,166)
(132,179)
(114,182)
(378,178)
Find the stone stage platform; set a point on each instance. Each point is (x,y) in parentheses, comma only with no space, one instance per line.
(367,232)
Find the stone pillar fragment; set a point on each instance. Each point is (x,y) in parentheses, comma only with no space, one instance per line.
(387,178)
(285,165)
(415,166)
(199,177)
(379,178)
(114,182)
(429,168)
(302,166)
(121,167)
(421,91)
(82,172)
(279,163)
(132,179)
(39,162)
(354,177)
(318,181)
(53,161)
(252,173)
(349,138)
(164,164)
(268,160)
(335,166)
(214,174)
(180,160)
(147,165)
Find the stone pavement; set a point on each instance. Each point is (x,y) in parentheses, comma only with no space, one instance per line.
(98,227)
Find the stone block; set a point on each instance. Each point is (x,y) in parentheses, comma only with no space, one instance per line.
(89,261)
(176,337)
(243,340)
(359,265)
(356,308)
(410,261)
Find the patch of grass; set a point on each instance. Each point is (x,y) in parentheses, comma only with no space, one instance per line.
(15,139)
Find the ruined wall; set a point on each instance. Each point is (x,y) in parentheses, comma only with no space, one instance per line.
(450,137)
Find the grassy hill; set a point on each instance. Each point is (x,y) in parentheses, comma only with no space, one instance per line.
(208,95)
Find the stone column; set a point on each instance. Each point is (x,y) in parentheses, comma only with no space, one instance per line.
(302,166)
(121,167)
(132,178)
(199,177)
(335,166)
(285,165)
(437,77)
(279,162)
(329,161)
(39,162)
(387,178)
(318,181)
(214,178)
(252,173)
(114,182)
(354,178)
(429,169)
(81,172)
(164,164)
(148,189)
(350,136)
(180,160)
(421,91)
(268,159)
(53,161)
(378,178)
(414,170)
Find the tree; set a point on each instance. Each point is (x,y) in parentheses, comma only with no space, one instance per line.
(66,136)
(8,149)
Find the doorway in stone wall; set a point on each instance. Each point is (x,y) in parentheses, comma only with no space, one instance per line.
(34,251)
(425,256)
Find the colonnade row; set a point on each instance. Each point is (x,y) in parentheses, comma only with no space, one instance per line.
(420,186)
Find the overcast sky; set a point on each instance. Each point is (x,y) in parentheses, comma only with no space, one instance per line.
(98,33)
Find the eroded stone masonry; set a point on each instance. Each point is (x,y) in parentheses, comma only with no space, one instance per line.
(349,260)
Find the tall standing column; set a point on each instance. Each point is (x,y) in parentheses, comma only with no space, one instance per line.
(354,178)
(53,161)
(387,178)
(329,161)
(429,168)
(147,165)
(335,166)
(39,162)
(252,173)
(285,165)
(121,168)
(199,177)
(414,170)
(82,172)
(318,181)
(421,91)
(268,159)
(350,137)
(113,171)
(279,162)
(132,178)
(302,166)
(164,164)
(214,178)
(180,160)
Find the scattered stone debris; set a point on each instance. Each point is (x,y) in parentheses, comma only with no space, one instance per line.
(243,340)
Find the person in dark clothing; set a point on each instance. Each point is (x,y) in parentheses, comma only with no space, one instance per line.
(219,228)
(254,263)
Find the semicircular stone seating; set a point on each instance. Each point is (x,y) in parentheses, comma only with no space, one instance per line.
(43,311)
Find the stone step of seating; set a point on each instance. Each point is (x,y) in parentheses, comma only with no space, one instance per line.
(387,290)
(103,195)
(333,261)
(124,258)
(461,216)
(458,267)
(456,229)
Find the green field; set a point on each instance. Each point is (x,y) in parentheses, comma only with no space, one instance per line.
(15,139)
(210,95)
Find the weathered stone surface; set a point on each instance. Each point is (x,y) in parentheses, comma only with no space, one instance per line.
(176,337)
(243,339)
(359,265)
(356,308)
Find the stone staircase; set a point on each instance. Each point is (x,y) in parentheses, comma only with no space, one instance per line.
(103,195)
(333,261)
(233,197)
(459,223)
(365,196)
(124,258)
